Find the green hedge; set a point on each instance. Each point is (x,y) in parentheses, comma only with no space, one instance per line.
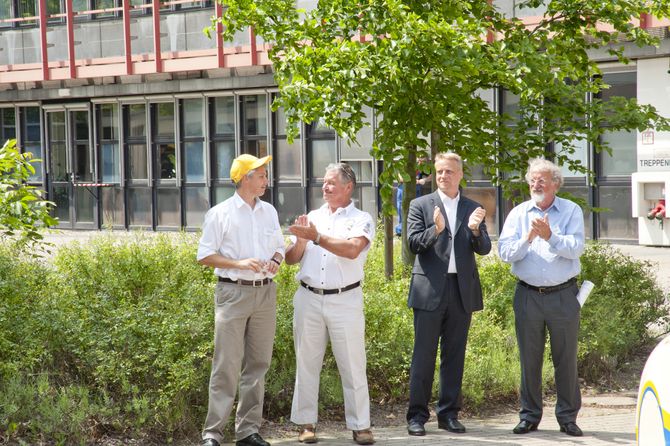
(116,336)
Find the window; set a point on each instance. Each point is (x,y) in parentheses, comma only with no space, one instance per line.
(254,125)
(623,144)
(108,117)
(222,117)
(7,124)
(139,204)
(32,139)
(196,202)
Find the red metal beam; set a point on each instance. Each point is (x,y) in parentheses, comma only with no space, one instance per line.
(157,35)
(252,47)
(645,20)
(43,40)
(127,46)
(70,38)
(218,11)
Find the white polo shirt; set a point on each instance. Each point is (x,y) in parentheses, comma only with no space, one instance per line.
(322,269)
(236,231)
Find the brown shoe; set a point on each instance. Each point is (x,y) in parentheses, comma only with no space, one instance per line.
(307,434)
(364,436)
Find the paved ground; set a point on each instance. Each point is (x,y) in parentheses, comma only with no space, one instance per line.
(605,419)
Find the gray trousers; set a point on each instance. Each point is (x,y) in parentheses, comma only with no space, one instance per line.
(535,313)
(244,330)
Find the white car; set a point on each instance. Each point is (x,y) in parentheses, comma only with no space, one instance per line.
(653,401)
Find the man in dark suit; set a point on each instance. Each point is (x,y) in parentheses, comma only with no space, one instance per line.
(444,230)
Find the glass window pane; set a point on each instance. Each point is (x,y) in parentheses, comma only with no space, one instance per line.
(583,193)
(193,121)
(80,5)
(164,119)
(58,161)
(36,152)
(57,126)
(84,204)
(194,153)
(5,11)
(287,160)
(137,162)
(580,155)
(111,163)
(80,125)
(222,193)
(112,206)
(82,167)
(362,169)
(138,120)
(7,124)
(224,115)
(168,213)
(315,197)
(196,205)
(257,148)
(61,199)
(109,121)
(225,153)
(167,161)
(624,153)
(364,198)
(27,8)
(617,223)
(139,206)
(290,204)
(32,132)
(323,153)
(255,114)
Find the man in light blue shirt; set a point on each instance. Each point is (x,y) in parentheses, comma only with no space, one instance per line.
(543,239)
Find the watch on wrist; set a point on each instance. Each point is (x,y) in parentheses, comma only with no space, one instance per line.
(317,239)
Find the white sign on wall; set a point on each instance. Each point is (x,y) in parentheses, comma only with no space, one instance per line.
(653,88)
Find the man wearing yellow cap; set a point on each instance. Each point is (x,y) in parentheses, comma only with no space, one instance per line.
(242,241)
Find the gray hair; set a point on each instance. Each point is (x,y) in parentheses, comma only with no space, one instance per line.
(539,165)
(248,175)
(449,156)
(345,172)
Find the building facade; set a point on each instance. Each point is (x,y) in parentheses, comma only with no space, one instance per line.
(137,116)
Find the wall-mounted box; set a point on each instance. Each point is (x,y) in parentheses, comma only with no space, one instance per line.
(648,188)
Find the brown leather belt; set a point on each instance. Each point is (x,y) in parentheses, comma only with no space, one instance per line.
(332,290)
(548,289)
(253,283)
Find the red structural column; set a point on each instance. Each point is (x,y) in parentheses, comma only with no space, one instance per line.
(43,40)
(645,20)
(69,14)
(127,47)
(218,11)
(157,35)
(252,47)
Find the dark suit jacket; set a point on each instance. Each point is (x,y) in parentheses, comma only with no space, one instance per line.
(429,274)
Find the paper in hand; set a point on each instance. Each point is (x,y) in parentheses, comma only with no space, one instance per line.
(584,291)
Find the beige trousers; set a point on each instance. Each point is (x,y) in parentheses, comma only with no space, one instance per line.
(244,330)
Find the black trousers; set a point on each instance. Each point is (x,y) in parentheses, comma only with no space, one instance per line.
(448,325)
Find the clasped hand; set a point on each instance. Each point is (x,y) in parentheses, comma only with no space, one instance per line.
(540,227)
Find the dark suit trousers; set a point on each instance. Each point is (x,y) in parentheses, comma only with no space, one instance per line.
(448,325)
(535,314)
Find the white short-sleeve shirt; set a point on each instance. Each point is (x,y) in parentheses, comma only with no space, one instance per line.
(322,269)
(236,231)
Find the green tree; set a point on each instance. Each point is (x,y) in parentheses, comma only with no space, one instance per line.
(23,209)
(423,65)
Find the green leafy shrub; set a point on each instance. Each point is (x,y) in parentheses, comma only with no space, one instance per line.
(116,335)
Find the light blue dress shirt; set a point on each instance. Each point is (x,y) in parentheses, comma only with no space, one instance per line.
(544,262)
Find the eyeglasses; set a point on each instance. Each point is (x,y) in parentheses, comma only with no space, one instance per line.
(539,182)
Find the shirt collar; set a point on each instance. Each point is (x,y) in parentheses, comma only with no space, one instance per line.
(532,206)
(239,202)
(345,210)
(447,200)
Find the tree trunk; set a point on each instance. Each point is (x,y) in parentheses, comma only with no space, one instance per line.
(409,193)
(388,246)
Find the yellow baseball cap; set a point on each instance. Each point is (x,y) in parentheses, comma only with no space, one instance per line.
(245,163)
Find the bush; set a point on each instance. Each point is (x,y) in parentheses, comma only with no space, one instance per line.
(116,336)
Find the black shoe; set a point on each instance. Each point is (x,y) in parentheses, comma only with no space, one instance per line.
(416,428)
(209,442)
(252,440)
(524,427)
(572,429)
(452,425)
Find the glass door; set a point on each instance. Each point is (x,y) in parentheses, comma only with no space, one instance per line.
(71,168)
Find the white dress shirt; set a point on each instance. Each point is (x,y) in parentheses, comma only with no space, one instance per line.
(236,231)
(451,208)
(322,269)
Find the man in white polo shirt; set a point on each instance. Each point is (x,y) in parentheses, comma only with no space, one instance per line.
(331,244)
(242,240)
